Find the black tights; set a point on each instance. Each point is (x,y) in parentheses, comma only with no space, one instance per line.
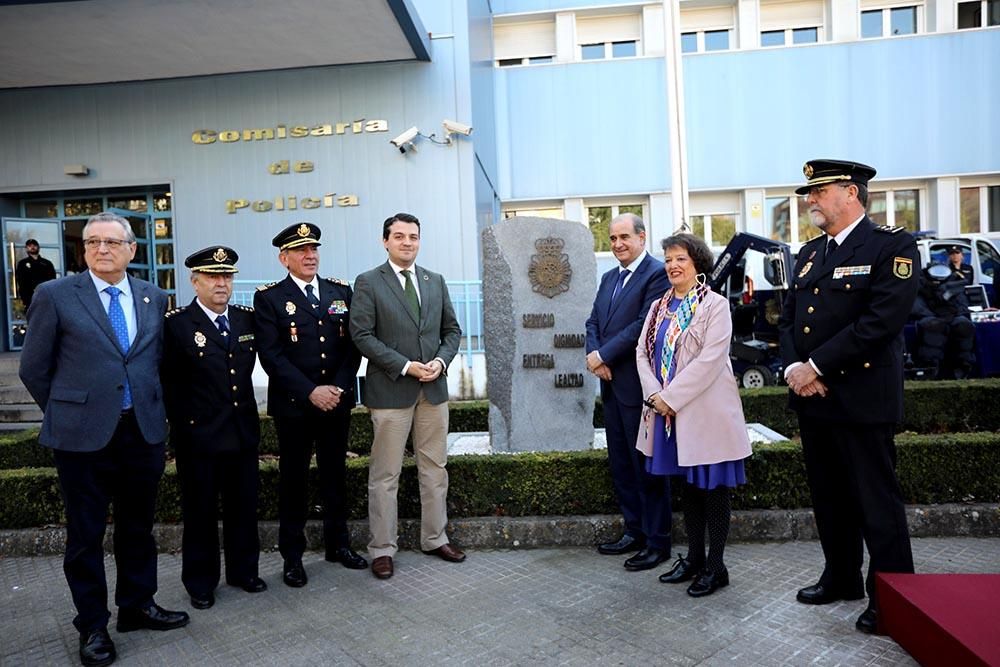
(711,508)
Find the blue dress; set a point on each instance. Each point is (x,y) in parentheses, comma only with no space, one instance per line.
(664,458)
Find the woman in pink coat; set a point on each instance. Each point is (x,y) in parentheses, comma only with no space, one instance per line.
(693,424)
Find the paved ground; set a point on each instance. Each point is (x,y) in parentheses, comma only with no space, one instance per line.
(542,606)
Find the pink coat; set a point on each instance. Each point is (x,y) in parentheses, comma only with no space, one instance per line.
(710,423)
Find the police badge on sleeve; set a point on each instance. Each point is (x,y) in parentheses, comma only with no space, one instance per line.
(902,267)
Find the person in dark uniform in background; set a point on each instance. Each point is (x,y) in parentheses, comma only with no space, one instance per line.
(31,272)
(305,348)
(623,299)
(955,263)
(841,332)
(946,336)
(208,361)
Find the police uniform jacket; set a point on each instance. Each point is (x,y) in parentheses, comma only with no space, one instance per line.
(207,381)
(847,314)
(302,347)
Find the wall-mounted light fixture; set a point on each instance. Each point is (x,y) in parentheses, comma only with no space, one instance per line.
(76,169)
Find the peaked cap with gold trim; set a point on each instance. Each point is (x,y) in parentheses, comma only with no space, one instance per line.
(216,259)
(297,235)
(821,172)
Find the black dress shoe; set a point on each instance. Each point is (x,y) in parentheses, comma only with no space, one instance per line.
(683,570)
(253,585)
(820,593)
(646,559)
(348,558)
(294,574)
(624,545)
(202,601)
(96,648)
(707,582)
(153,617)
(868,621)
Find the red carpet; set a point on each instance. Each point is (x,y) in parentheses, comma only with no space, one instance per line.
(943,619)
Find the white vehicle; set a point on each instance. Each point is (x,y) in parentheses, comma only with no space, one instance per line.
(978,251)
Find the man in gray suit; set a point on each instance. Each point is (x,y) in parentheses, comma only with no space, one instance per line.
(91,361)
(404,323)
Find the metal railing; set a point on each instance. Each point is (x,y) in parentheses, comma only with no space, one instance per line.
(466,297)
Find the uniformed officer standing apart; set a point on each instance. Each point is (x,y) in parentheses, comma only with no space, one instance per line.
(208,361)
(842,346)
(305,348)
(31,272)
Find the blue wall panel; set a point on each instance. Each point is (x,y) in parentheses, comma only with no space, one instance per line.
(583,129)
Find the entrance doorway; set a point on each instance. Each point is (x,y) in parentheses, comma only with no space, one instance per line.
(56,220)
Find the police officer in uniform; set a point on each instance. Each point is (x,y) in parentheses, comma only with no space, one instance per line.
(208,361)
(946,336)
(306,350)
(956,264)
(842,346)
(31,272)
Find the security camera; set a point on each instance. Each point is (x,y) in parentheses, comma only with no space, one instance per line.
(405,140)
(454,127)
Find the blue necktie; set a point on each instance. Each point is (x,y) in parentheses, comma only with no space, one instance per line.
(117,317)
(311,297)
(622,275)
(223,323)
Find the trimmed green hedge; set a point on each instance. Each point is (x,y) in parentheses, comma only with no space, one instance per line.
(932,469)
(931,407)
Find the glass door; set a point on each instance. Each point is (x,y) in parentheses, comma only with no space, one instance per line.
(16,231)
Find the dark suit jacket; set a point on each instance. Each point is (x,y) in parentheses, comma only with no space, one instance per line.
(386,332)
(613,329)
(75,371)
(850,322)
(321,352)
(208,381)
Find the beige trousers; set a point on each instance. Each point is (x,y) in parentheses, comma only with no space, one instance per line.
(430,432)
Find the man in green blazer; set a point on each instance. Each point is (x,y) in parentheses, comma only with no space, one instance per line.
(402,320)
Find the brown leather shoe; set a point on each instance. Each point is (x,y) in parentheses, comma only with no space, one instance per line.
(382,567)
(448,553)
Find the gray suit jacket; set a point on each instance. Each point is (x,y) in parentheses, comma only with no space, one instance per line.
(75,371)
(386,332)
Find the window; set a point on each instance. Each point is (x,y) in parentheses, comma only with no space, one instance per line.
(772,38)
(535,213)
(789,36)
(615,36)
(897,208)
(978,14)
(980,209)
(717,229)
(599,219)
(890,21)
(780,211)
(805,35)
(528,43)
(989,258)
(783,22)
(707,29)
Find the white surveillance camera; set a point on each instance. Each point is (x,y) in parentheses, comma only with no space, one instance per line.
(454,127)
(406,138)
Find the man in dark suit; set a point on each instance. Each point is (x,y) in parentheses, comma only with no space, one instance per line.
(91,361)
(405,325)
(841,334)
(302,340)
(208,361)
(623,299)
(32,271)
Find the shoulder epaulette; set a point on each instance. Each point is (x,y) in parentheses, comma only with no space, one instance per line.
(240,306)
(889,230)
(261,288)
(339,281)
(171,313)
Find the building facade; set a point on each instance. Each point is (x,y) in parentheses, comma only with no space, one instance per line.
(274,118)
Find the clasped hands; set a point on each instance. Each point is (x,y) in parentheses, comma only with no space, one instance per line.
(804,381)
(598,367)
(426,372)
(660,406)
(326,397)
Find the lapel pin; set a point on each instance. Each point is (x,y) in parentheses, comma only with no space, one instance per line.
(145,299)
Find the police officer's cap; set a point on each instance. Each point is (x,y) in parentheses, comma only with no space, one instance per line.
(297,235)
(821,172)
(216,259)
(955,249)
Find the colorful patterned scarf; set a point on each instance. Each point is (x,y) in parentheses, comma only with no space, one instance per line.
(679,321)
